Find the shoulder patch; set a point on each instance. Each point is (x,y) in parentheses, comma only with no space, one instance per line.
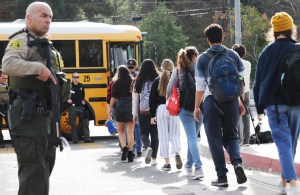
(16,44)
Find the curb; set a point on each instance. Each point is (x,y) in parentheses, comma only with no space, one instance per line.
(261,163)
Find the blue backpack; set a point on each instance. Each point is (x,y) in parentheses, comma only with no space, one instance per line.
(225,84)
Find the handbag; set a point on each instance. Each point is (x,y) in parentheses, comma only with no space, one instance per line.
(111,126)
(173,102)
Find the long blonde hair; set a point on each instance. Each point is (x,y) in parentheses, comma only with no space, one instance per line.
(167,67)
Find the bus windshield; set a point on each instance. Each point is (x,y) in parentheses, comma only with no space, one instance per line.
(120,53)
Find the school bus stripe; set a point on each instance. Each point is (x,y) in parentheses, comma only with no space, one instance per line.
(94,86)
(97,99)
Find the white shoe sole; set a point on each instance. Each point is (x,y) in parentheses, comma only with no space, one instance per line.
(195,177)
(148,156)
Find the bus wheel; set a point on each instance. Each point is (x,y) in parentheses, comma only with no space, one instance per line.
(65,127)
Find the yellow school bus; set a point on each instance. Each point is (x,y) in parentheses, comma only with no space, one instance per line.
(91,49)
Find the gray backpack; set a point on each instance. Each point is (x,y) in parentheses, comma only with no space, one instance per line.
(144,96)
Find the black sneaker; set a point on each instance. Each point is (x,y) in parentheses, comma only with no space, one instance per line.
(240,174)
(166,167)
(220,182)
(138,154)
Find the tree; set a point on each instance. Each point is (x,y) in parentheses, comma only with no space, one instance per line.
(254,28)
(164,37)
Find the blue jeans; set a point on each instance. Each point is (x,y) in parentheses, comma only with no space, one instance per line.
(285,135)
(137,136)
(191,128)
(221,130)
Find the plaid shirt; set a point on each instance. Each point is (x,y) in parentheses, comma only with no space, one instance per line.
(109,89)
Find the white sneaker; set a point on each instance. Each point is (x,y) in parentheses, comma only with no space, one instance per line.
(189,171)
(148,155)
(198,173)
(282,190)
(294,191)
(153,162)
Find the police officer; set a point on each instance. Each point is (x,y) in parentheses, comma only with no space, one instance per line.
(76,108)
(4,100)
(28,74)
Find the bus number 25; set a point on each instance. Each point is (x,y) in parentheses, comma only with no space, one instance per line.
(86,78)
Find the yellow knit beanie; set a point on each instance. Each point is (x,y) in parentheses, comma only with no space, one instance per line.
(281,21)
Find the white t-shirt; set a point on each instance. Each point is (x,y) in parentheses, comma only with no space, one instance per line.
(247,72)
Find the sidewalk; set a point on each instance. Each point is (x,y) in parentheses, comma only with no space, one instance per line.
(263,157)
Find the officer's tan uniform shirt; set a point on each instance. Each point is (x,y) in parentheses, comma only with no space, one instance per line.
(21,60)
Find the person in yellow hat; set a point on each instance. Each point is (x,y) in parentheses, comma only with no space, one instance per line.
(283,119)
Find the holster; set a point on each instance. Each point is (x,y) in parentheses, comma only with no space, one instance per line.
(32,105)
(29,106)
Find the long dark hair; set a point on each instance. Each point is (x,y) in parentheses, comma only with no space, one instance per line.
(148,71)
(124,77)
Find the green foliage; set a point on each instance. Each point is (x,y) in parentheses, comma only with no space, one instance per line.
(254,28)
(124,10)
(164,37)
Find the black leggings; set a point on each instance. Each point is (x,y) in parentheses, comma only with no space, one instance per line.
(146,128)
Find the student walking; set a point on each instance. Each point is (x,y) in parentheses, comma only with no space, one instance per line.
(137,147)
(141,109)
(244,128)
(121,105)
(168,127)
(283,117)
(184,75)
(220,116)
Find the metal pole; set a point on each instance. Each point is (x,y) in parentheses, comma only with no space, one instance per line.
(238,34)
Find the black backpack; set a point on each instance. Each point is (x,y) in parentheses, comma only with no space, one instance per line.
(188,90)
(290,78)
(261,138)
(265,137)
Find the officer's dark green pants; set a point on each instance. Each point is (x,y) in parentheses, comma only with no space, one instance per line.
(33,160)
(30,140)
(75,111)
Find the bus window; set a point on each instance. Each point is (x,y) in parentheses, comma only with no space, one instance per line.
(67,51)
(121,53)
(3,45)
(90,53)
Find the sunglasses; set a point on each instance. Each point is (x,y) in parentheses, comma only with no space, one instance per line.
(76,77)
(131,67)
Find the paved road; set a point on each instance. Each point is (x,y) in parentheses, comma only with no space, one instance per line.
(95,169)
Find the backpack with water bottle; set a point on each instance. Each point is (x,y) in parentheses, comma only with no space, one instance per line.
(225,84)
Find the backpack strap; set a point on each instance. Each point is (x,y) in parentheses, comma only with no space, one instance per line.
(282,67)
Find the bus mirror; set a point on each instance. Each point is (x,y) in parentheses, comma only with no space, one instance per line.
(144,34)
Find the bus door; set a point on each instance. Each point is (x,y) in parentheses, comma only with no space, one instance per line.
(120,53)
